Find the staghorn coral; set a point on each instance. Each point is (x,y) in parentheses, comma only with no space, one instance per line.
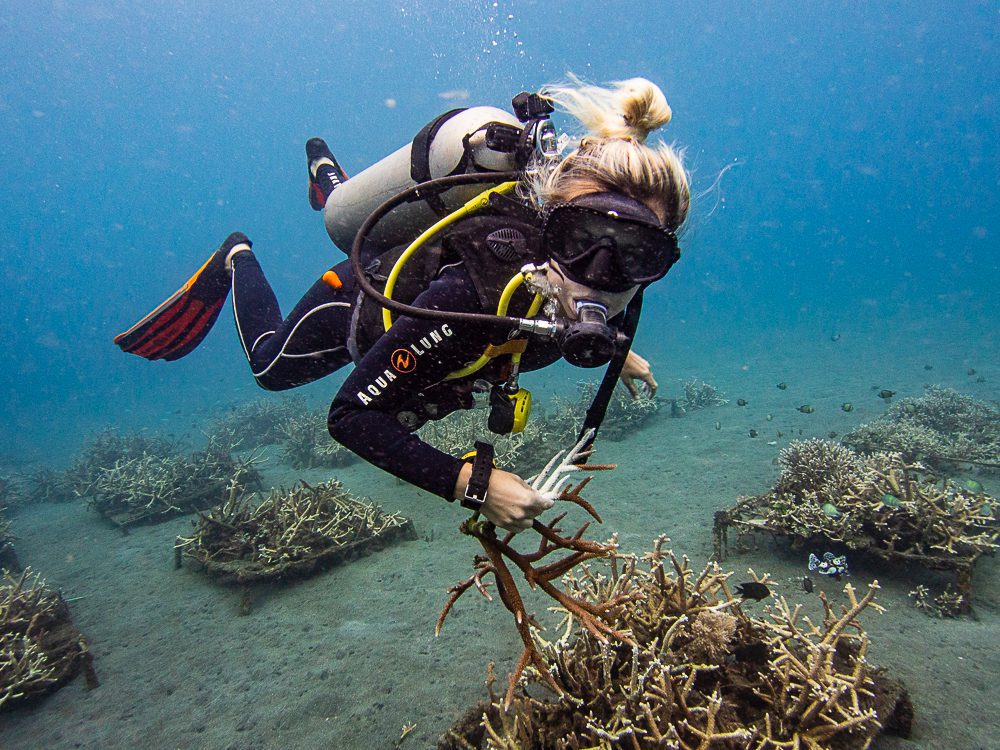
(525,452)
(8,558)
(152,487)
(458,432)
(106,449)
(552,483)
(256,423)
(625,413)
(878,503)
(306,444)
(768,683)
(700,395)
(290,531)
(942,428)
(9,491)
(40,650)
(49,486)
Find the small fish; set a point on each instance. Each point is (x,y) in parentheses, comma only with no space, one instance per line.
(980,379)
(806,409)
(890,500)
(753,433)
(741,402)
(718,425)
(831,510)
(973,486)
(807,584)
(830,565)
(769,417)
(970,372)
(835,337)
(847,406)
(780,434)
(782,385)
(928,367)
(753,590)
(886,394)
(832,434)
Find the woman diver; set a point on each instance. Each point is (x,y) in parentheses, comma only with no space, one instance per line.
(500,286)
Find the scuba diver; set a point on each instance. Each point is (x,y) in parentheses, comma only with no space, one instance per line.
(450,290)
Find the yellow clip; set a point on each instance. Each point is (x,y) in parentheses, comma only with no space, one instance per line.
(514,346)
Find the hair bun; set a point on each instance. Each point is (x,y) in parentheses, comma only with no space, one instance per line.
(643,106)
(629,110)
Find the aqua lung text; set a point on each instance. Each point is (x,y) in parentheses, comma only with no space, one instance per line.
(403,361)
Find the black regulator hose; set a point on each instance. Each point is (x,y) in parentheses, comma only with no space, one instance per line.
(419,192)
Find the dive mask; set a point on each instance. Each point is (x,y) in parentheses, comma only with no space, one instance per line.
(608,241)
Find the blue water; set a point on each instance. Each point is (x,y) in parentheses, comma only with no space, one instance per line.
(135,137)
(857,145)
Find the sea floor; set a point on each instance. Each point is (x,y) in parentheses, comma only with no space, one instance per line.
(347,658)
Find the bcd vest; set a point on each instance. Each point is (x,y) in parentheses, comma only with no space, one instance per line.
(492,248)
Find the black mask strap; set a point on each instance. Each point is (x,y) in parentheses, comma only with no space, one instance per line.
(599,406)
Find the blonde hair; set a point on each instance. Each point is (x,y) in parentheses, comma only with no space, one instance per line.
(613,156)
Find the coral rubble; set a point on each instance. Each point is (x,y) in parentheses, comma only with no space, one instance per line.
(829,494)
(940,429)
(40,649)
(696,672)
(290,532)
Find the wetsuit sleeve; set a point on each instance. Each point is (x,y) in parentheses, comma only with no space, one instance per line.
(409,358)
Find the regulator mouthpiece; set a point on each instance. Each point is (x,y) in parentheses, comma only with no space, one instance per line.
(588,341)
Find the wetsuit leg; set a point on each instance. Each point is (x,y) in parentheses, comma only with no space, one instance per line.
(307,345)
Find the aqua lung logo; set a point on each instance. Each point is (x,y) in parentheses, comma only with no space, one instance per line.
(403,361)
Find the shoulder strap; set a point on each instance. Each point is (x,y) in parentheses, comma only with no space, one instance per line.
(420,156)
(505,206)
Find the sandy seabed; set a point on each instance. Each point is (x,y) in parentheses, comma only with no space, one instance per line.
(347,658)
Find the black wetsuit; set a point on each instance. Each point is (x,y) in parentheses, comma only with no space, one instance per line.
(398,384)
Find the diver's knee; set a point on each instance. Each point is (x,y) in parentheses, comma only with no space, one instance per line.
(272,384)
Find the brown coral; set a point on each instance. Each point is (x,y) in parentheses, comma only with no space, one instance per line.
(773,683)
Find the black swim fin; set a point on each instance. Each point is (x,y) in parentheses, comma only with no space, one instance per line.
(181,322)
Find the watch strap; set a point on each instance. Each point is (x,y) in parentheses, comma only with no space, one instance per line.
(479,482)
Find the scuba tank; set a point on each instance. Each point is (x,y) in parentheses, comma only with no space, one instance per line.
(461,141)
